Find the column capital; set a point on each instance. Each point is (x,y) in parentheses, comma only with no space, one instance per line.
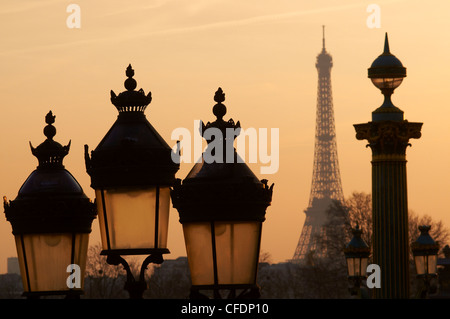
(388,137)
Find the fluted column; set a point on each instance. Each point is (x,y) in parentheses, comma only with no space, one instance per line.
(388,141)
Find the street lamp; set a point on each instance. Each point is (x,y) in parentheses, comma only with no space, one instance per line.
(222,206)
(425,251)
(131,172)
(388,135)
(357,254)
(51,219)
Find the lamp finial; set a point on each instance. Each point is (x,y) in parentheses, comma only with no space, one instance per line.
(386,44)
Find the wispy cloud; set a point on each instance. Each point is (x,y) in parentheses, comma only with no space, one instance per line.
(130,8)
(257,19)
(126,35)
(22,6)
(253,20)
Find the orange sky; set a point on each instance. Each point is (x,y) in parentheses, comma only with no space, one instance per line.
(262,54)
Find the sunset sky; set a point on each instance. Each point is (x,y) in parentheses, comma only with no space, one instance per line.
(261,53)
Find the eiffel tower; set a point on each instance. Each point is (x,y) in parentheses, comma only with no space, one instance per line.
(326,180)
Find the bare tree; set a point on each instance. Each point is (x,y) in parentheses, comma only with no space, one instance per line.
(328,272)
(171,280)
(103,281)
(359,207)
(357,210)
(265,257)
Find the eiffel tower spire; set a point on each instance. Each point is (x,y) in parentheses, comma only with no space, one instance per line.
(323,38)
(326,180)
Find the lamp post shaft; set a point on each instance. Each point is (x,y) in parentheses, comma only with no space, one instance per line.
(390,227)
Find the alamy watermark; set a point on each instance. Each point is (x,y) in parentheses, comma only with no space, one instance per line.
(374,19)
(74,279)
(374,279)
(73,21)
(189,148)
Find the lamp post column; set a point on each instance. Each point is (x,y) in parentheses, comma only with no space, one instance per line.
(388,141)
(388,135)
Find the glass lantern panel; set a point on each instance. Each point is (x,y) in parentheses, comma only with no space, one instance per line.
(357,265)
(131,218)
(101,218)
(432,264)
(44,258)
(420,262)
(164,210)
(351,267)
(237,246)
(197,237)
(80,257)
(387,83)
(364,262)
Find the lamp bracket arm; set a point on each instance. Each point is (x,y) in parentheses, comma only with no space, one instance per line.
(115,260)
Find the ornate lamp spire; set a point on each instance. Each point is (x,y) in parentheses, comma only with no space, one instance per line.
(131,100)
(386,45)
(219,111)
(50,153)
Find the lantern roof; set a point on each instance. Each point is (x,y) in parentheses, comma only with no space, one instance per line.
(132,153)
(224,188)
(230,166)
(357,247)
(425,244)
(50,176)
(386,65)
(51,199)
